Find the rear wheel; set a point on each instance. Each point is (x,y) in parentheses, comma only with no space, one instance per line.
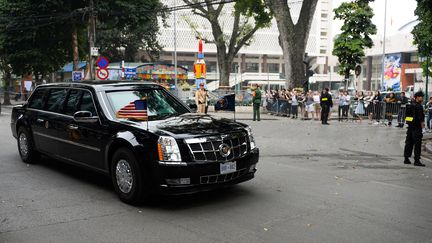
(26,147)
(127,177)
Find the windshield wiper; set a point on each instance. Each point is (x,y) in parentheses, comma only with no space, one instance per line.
(167,115)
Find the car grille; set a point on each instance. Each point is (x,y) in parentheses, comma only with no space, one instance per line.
(207,149)
(211,179)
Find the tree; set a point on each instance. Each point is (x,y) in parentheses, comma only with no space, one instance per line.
(249,16)
(422,32)
(35,36)
(126,27)
(293,37)
(356,30)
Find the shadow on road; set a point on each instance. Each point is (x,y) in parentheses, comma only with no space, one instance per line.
(163,202)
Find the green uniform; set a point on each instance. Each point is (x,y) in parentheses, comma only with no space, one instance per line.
(256,100)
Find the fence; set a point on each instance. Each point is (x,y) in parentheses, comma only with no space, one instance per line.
(378,111)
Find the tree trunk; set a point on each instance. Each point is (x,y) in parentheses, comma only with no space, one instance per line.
(75,48)
(224,73)
(6,98)
(293,37)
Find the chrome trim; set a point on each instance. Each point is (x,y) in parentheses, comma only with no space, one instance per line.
(172,163)
(214,179)
(225,138)
(67,141)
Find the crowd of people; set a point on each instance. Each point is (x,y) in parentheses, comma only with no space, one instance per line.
(373,106)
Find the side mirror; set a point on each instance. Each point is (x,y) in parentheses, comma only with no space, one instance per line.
(85,117)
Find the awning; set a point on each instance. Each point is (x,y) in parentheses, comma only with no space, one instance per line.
(68,67)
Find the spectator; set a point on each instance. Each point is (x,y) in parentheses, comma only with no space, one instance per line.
(403,100)
(341,104)
(294,104)
(317,106)
(360,109)
(429,110)
(345,107)
(376,106)
(309,103)
(390,107)
(369,105)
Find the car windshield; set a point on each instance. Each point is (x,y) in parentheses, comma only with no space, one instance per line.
(145,104)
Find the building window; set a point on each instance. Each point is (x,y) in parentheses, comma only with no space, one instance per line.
(211,67)
(323,51)
(273,67)
(235,67)
(252,67)
(323,33)
(324,15)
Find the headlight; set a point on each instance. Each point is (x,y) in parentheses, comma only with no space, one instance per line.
(251,138)
(168,149)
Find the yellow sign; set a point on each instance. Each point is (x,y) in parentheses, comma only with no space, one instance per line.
(409,119)
(324,99)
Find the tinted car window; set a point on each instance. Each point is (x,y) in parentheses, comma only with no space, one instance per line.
(37,99)
(56,100)
(160,104)
(87,103)
(73,101)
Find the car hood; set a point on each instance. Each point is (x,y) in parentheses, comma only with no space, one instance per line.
(195,125)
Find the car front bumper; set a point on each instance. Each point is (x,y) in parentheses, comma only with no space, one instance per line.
(202,176)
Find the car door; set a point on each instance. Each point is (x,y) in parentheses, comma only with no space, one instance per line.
(81,142)
(44,122)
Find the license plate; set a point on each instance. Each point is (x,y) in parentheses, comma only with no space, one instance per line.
(228,167)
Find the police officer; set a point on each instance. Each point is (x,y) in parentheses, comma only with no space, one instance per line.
(415,119)
(326,103)
(256,100)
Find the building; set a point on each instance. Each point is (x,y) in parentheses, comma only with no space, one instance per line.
(401,62)
(262,61)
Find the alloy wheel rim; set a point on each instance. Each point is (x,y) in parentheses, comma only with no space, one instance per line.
(23,145)
(124,176)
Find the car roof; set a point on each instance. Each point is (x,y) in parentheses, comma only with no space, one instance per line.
(106,85)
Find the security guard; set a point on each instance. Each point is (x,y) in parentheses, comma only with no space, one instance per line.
(326,104)
(415,119)
(256,100)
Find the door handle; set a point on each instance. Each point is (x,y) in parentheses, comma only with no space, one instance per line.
(72,127)
(39,120)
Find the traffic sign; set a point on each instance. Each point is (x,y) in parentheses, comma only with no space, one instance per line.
(102,62)
(94,51)
(102,74)
(77,76)
(129,73)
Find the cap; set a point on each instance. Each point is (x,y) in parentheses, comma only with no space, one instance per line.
(419,94)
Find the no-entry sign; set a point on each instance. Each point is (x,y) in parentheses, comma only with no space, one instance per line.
(102,74)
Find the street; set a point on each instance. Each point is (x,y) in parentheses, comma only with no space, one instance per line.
(340,183)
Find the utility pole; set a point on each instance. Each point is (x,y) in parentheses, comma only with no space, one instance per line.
(92,39)
(384,45)
(176,90)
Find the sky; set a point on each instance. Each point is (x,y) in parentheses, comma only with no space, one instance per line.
(399,12)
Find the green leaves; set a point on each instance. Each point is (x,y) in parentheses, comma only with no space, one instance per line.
(355,37)
(422,32)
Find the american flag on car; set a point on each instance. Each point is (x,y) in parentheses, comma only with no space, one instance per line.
(134,110)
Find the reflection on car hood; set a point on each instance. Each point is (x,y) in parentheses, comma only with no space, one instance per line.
(192,125)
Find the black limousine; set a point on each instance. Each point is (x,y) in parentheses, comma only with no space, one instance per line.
(138,133)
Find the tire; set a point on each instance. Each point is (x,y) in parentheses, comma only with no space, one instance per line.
(26,147)
(128,178)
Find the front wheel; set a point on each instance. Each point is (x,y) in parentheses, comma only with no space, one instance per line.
(26,147)
(127,177)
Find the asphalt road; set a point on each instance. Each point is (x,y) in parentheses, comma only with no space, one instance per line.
(339,183)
